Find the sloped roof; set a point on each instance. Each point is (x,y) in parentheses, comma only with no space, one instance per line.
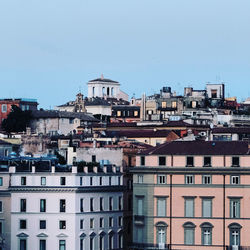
(200,148)
(140,133)
(103,80)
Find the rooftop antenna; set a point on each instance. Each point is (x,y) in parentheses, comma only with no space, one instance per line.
(80,89)
(102,77)
(218,79)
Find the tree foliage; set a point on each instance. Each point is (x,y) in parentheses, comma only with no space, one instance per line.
(17,120)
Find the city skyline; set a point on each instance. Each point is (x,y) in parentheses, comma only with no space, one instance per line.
(147,45)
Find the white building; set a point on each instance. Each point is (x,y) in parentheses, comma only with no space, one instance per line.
(102,87)
(67,209)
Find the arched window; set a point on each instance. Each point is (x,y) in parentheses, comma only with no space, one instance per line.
(189,228)
(112,91)
(103,91)
(93,91)
(107,91)
(161,228)
(206,233)
(101,240)
(234,230)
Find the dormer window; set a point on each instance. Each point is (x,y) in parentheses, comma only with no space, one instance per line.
(190,161)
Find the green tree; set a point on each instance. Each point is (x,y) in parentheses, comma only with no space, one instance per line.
(17,120)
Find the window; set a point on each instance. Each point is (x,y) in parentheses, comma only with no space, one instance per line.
(234,229)
(161,179)
(110,203)
(101,204)
(91,181)
(206,179)
(235,161)
(189,207)
(81,223)
(206,207)
(161,207)
(162,160)
(23,244)
(91,243)
(101,242)
(206,234)
(136,113)
(207,161)
(214,93)
(120,241)
(62,206)
(80,181)
(118,113)
(120,203)
(81,205)
(4,108)
(91,204)
(235,208)
(161,237)
(43,181)
(110,180)
(23,181)
(93,158)
(42,224)
(174,104)
(1,228)
(189,179)
(111,241)
(140,178)
(42,205)
(62,244)
(42,245)
(82,241)
(190,161)
(163,104)
(142,160)
(1,206)
(100,181)
(111,222)
(91,223)
(139,206)
(120,221)
(1,181)
(23,205)
(235,179)
(189,233)
(101,222)
(63,181)
(62,224)
(23,224)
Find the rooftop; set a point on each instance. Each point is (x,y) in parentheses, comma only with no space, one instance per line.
(200,148)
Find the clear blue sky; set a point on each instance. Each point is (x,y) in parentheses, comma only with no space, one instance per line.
(49,48)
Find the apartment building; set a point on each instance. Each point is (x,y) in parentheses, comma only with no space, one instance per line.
(53,207)
(192,195)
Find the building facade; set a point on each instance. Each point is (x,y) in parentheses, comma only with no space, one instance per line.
(192,195)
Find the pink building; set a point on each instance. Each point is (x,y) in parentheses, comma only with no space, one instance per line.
(192,195)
